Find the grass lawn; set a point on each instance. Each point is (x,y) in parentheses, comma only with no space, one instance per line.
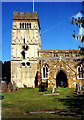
(19,104)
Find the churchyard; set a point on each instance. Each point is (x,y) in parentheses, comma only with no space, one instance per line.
(30,103)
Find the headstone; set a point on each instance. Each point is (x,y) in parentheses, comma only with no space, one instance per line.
(8,89)
(10,86)
(14,86)
(53,88)
(17,88)
(42,87)
(24,86)
(78,87)
(4,86)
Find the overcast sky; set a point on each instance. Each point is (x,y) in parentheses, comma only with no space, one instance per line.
(55,22)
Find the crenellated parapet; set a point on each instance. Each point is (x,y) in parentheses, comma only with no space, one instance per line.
(23,16)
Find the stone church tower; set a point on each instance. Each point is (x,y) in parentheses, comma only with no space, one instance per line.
(26,42)
(31,66)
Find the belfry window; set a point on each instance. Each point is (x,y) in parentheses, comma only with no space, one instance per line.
(25,25)
(28,25)
(80,72)
(45,71)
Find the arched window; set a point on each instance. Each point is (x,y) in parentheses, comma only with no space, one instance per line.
(25,25)
(80,72)
(45,71)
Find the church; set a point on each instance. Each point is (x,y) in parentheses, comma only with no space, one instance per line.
(31,66)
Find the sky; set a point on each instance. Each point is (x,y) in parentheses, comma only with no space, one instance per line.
(55,22)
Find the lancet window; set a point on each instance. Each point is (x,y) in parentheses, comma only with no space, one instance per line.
(25,25)
(80,72)
(45,71)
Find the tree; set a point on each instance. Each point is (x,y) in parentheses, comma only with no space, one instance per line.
(79,22)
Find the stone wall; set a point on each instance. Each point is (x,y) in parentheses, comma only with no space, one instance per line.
(26,42)
(60,63)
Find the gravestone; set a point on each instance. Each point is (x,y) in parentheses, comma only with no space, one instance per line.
(14,86)
(53,88)
(25,86)
(42,87)
(10,87)
(3,86)
(78,88)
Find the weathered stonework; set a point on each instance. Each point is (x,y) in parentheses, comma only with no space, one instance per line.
(26,42)
(27,58)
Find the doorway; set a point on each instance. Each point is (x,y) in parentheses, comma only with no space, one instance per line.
(61,80)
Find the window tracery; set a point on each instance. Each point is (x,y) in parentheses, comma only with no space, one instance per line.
(45,71)
(80,72)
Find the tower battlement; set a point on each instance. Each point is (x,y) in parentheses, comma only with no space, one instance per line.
(23,16)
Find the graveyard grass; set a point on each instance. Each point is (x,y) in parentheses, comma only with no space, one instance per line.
(19,103)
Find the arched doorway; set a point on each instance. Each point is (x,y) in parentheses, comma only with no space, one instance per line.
(61,79)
